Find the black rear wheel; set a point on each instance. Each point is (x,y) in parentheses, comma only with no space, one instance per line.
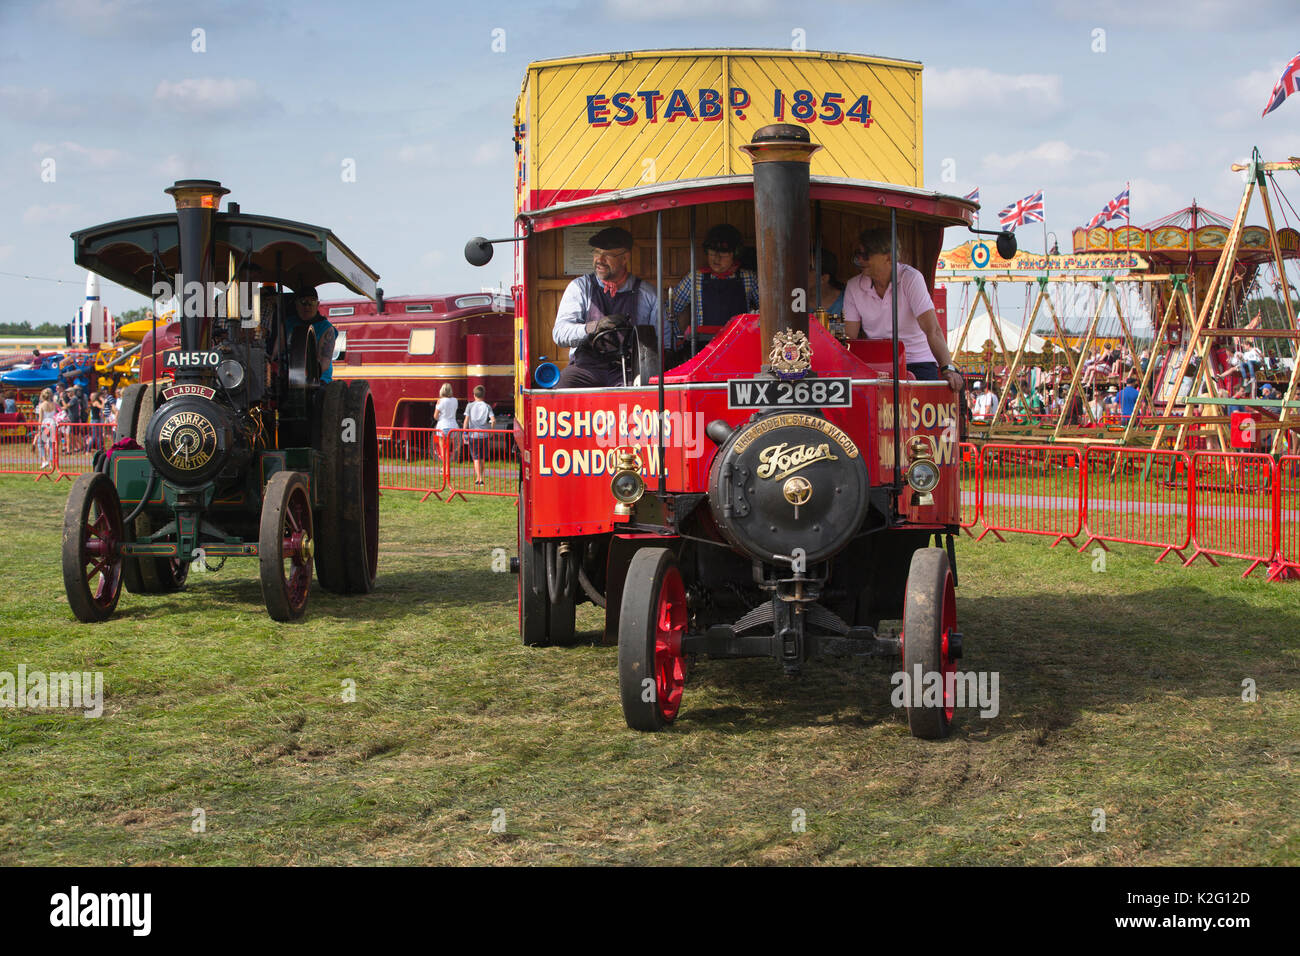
(330,569)
(543,622)
(359,485)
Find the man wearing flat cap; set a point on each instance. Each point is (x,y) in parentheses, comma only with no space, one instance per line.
(607,299)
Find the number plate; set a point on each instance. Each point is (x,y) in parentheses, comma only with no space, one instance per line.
(804,393)
(192,360)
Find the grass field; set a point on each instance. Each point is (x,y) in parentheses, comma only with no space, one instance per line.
(1120,690)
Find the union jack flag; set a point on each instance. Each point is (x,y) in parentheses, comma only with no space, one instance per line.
(1285,86)
(1029,209)
(1117,208)
(973,195)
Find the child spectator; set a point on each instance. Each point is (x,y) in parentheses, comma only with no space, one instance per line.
(478,415)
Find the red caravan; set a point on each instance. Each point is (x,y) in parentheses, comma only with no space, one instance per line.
(419,343)
(407,348)
(775,494)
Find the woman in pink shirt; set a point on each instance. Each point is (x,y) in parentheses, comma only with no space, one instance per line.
(868,308)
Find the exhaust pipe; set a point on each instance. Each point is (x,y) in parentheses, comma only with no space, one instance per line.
(782,154)
(196,201)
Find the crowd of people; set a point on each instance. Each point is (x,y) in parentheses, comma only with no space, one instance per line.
(1109,385)
(63,404)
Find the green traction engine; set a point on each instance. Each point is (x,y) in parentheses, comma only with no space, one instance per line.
(244,452)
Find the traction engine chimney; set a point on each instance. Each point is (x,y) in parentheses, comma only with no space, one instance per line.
(781,154)
(196,201)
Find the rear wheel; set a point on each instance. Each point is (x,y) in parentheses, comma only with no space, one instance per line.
(348,557)
(92,539)
(930,642)
(284,546)
(652,622)
(329,537)
(359,486)
(543,622)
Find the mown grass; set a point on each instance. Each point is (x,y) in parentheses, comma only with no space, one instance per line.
(1120,690)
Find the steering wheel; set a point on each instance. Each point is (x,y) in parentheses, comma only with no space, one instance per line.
(625,343)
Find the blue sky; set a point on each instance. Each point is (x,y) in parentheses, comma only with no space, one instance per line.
(1016,98)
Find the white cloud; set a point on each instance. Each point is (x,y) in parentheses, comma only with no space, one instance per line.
(662,10)
(490,152)
(1152,198)
(96,157)
(38,215)
(423,154)
(24,103)
(1171,157)
(171,166)
(432,259)
(98,16)
(1184,16)
(1050,156)
(210,94)
(6,252)
(963,88)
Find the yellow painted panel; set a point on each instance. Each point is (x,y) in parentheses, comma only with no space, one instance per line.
(601,123)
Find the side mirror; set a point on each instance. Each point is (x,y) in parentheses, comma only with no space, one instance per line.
(1006,245)
(478,251)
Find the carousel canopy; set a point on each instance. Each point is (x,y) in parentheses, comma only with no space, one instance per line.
(981,330)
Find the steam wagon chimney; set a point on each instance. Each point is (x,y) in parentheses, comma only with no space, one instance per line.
(196,201)
(781,154)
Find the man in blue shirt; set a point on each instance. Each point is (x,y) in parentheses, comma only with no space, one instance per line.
(1128,397)
(607,299)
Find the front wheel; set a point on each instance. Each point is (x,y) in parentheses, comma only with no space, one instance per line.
(930,644)
(92,540)
(651,624)
(284,546)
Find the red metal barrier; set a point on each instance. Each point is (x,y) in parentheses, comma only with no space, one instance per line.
(970,485)
(1138,496)
(499,458)
(413,459)
(76,447)
(27,449)
(1286,563)
(1234,508)
(1032,489)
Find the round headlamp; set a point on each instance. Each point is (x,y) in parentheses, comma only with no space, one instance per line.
(627,487)
(923,475)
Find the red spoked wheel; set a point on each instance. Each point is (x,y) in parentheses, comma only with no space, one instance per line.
(652,622)
(285,546)
(931,644)
(92,542)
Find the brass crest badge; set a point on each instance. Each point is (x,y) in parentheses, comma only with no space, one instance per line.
(791,354)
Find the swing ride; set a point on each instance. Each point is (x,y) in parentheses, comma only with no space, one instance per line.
(1167,304)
